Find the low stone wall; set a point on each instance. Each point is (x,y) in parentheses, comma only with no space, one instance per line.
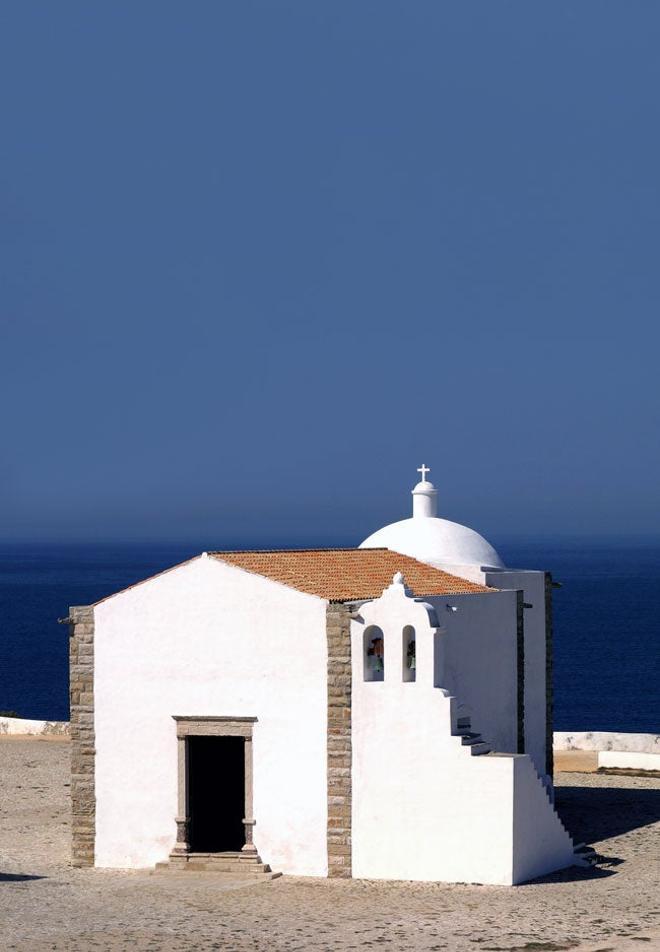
(628,760)
(20,725)
(605,740)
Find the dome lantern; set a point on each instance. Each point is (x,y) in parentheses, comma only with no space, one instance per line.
(438,542)
(425,496)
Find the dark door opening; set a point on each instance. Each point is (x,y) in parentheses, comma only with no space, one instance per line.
(216,793)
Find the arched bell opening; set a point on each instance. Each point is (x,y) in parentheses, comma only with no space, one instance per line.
(409,654)
(374,654)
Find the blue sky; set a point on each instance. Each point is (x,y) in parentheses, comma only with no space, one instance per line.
(262,260)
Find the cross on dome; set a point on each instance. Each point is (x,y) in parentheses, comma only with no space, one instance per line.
(424,495)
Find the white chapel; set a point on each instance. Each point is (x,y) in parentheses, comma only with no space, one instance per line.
(383,712)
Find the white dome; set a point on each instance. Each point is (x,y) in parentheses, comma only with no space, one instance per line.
(437,541)
(430,539)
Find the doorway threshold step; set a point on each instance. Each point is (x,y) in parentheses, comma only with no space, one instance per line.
(236,876)
(232,865)
(224,859)
(243,868)
(241,876)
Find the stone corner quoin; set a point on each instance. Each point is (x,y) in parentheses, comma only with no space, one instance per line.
(81,692)
(338,624)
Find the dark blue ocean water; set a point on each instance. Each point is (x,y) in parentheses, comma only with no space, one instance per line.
(607,623)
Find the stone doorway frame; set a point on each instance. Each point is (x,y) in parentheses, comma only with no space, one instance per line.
(187,726)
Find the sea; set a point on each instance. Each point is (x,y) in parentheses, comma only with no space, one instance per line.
(606,622)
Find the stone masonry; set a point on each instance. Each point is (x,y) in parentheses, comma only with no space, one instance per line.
(339,740)
(81,660)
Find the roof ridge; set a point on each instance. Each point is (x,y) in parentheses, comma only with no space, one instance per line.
(347,548)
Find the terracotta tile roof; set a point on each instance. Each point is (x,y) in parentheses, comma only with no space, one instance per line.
(348,574)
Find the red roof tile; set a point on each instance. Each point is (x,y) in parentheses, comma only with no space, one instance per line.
(342,575)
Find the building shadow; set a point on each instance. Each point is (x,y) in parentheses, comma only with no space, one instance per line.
(575,874)
(17,877)
(592,814)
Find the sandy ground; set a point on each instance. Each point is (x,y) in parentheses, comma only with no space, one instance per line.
(47,905)
(578,761)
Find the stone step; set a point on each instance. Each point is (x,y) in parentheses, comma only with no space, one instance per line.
(236,864)
(463,721)
(222,859)
(246,877)
(238,855)
(469,737)
(240,875)
(234,867)
(479,748)
(237,869)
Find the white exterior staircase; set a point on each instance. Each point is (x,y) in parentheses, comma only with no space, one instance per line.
(585,855)
(470,738)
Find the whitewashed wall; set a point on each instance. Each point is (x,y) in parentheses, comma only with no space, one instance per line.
(423,807)
(481,668)
(210,639)
(471,572)
(532,585)
(21,725)
(629,760)
(606,740)
(541,844)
